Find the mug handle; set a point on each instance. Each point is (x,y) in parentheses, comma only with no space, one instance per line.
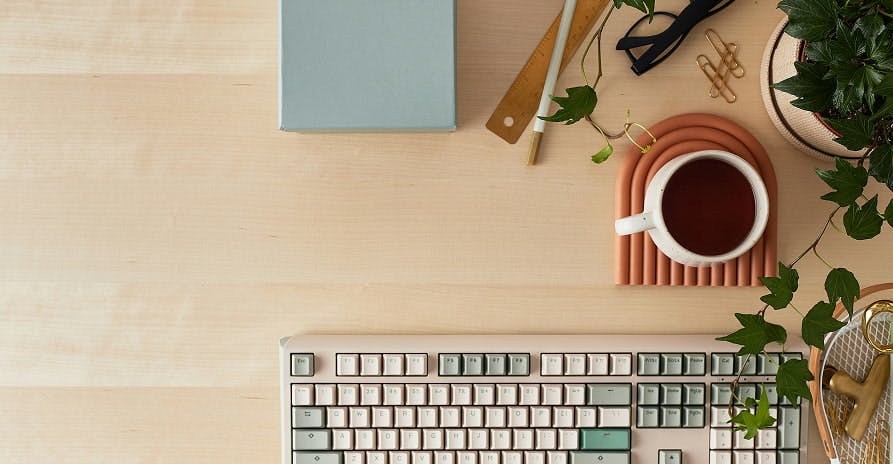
(635,224)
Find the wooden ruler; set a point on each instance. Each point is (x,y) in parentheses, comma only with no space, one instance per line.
(519,104)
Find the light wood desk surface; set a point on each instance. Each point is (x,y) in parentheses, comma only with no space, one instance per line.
(158,234)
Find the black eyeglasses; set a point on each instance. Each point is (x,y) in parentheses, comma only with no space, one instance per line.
(663,44)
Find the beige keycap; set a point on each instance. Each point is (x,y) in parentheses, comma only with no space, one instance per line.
(432,439)
(461,394)
(426,417)
(399,457)
(484,394)
(416,364)
(534,457)
(495,417)
(393,395)
(522,439)
(586,417)
(342,439)
(466,457)
(364,439)
(416,395)
(348,394)
(359,418)
(325,395)
(546,439)
(444,457)
(382,417)
(575,394)
(422,457)
(541,417)
(370,364)
(517,416)
(556,457)
(404,417)
(530,395)
(506,394)
(336,417)
(568,439)
(563,417)
(388,439)
(370,394)
(410,439)
(302,395)
(500,439)
(478,439)
(551,395)
(392,364)
(450,416)
(455,439)
(438,394)
(472,416)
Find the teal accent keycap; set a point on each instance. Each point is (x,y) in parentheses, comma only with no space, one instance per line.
(605,439)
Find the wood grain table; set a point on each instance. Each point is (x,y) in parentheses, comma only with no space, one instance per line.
(158,234)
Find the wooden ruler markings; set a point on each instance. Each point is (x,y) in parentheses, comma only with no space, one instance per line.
(519,104)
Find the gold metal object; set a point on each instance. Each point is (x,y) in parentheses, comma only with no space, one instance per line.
(718,86)
(728,52)
(872,311)
(866,394)
(728,66)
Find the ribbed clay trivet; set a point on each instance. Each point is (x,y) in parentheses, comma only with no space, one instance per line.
(639,262)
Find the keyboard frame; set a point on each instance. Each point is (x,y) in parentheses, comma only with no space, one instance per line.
(326,347)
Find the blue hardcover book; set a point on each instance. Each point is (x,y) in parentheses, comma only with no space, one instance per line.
(367,65)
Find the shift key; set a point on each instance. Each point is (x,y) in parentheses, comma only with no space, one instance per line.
(605,439)
(597,457)
(311,439)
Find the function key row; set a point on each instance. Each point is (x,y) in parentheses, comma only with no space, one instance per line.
(389,364)
(488,364)
(763,364)
(596,364)
(672,364)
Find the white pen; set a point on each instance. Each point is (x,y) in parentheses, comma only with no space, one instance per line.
(551,76)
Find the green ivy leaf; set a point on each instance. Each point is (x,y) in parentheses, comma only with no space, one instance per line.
(645,6)
(755,334)
(813,91)
(888,213)
(579,102)
(880,164)
(842,284)
(781,288)
(791,380)
(871,26)
(603,154)
(818,322)
(863,222)
(810,20)
(819,51)
(848,182)
(752,423)
(856,133)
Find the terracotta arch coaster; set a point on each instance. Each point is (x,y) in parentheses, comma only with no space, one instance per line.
(639,262)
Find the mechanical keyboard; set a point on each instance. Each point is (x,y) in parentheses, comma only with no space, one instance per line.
(528,399)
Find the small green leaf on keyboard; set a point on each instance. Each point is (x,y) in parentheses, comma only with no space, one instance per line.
(751,423)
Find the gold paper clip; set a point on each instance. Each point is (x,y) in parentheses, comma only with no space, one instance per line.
(718,80)
(728,52)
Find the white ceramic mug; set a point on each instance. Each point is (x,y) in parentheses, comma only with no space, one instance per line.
(652,219)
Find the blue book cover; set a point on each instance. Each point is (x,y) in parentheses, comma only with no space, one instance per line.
(367,65)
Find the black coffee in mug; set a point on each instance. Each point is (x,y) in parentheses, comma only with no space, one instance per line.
(708,207)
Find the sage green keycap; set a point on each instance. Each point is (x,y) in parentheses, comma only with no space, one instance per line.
(785,357)
(671,393)
(495,364)
(771,393)
(788,457)
(669,456)
(720,394)
(694,364)
(693,393)
(693,417)
(605,439)
(589,457)
(745,391)
(670,417)
(472,364)
(609,394)
(649,394)
(788,428)
(308,418)
(519,364)
(311,439)
(309,457)
(647,417)
(671,364)
(302,364)
(449,364)
(722,364)
(649,364)
(746,364)
(767,364)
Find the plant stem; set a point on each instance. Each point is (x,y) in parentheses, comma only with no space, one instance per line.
(597,36)
(817,255)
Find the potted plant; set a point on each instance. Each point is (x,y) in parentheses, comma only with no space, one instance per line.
(846,79)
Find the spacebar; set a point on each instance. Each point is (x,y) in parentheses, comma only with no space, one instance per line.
(311,457)
(597,457)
